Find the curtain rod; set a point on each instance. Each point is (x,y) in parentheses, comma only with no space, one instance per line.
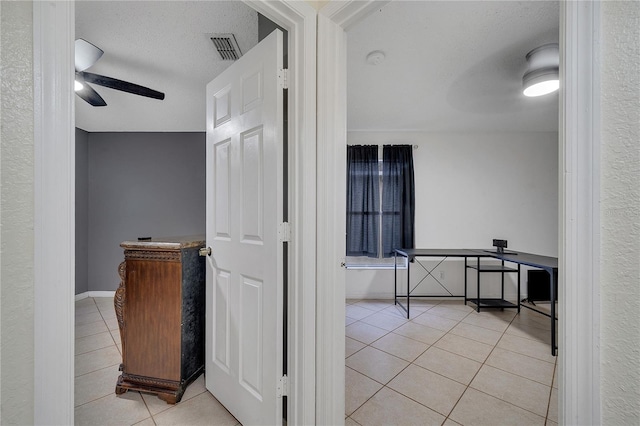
(414,146)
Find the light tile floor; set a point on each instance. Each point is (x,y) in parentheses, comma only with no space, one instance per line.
(447,365)
(98,355)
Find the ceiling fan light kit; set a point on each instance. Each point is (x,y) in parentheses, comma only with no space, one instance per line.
(86,55)
(542,76)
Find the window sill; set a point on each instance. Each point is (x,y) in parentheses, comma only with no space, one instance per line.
(373,267)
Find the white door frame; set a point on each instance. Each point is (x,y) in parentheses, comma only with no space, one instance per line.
(579,219)
(579,214)
(54,223)
(54,251)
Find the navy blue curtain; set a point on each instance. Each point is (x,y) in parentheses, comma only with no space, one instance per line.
(398,198)
(363,200)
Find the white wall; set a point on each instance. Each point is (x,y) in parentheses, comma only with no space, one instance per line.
(620,214)
(471,188)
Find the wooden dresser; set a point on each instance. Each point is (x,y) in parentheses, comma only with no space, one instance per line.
(160,307)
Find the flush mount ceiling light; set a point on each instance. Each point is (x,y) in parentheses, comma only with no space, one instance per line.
(541,77)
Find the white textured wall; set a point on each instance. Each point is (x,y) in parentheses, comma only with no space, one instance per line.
(620,214)
(16,213)
(471,188)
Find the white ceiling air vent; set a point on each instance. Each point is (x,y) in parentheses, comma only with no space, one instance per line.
(227,46)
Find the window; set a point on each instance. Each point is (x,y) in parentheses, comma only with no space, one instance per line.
(380,201)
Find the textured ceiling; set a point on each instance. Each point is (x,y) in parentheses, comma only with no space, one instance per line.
(163,45)
(449,66)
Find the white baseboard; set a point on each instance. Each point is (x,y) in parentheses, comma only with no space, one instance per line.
(94,294)
(370,295)
(389,296)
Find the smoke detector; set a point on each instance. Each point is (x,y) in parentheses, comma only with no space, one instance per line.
(375,57)
(227,46)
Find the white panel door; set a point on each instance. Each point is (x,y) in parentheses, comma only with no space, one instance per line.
(244,332)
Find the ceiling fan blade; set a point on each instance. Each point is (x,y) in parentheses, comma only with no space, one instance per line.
(124,86)
(86,54)
(91,96)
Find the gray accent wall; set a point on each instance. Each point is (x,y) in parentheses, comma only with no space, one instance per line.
(139,185)
(82,213)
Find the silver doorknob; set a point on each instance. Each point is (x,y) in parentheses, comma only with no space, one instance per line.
(205,251)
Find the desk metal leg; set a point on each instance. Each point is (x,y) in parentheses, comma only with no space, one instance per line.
(553,313)
(465,280)
(396,296)
(502,282)
(408,285)
(518,300)
(478,284)
(395,278)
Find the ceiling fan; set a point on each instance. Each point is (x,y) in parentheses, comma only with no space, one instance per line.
(86,55)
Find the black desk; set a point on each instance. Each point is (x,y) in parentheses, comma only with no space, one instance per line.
(546,263)
(411,254)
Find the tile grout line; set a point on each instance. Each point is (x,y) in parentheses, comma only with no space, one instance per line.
(147,412)
(546,418)
(483,364)
(385,385)
(102,368)
(476,373)
(495,345)
(446,417)
(120,362)
(517,353)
